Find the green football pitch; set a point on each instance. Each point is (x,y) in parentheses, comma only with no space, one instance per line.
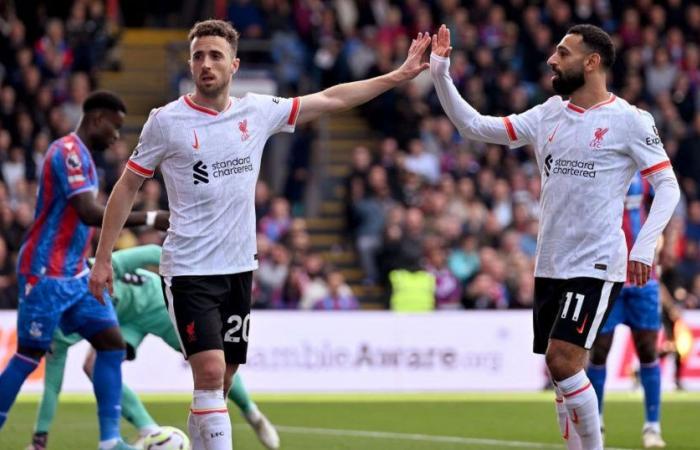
(383,422)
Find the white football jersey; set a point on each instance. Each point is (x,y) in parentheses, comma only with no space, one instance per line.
(586,159)
(210,163)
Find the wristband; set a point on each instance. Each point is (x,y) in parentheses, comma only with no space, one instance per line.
(151,218)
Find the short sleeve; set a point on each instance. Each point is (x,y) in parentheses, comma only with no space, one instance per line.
(522,128)
(150,149)
(280,113)
(645,145)
(73,170)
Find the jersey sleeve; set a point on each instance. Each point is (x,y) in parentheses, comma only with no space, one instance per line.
(130,259)
(73,171)
(280,114)
(150,149)
(645,145)
(522,128)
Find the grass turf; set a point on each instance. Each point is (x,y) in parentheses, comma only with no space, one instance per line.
(382,422)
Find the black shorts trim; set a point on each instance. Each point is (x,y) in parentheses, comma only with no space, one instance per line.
(211,312)
(571,310)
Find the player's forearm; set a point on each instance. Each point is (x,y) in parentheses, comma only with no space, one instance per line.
(468,121)
(342,97)
(666,196)
(116,213)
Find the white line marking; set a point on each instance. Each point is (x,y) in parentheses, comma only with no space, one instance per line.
(420,437)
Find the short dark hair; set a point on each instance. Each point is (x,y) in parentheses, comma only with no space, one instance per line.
(215,27)
(103,100)
(598,41)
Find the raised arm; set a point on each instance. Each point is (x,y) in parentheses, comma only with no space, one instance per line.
(118,206)
(348,95)
(468,121)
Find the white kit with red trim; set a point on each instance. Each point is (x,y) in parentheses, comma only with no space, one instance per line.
(586,158)
(210,163)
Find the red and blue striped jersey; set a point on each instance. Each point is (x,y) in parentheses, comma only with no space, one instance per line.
(637,204)
(57,243)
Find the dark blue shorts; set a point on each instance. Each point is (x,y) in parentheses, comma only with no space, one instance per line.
(637,307)
(46,303)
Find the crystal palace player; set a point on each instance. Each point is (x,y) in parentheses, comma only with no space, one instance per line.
(52,268)
(640,309)
(208,146)
(587,148)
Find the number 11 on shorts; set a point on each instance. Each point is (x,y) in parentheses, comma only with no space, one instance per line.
(577,309)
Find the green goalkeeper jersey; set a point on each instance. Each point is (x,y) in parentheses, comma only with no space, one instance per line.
(137,292)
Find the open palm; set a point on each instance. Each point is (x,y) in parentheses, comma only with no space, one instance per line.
(441,42)
(414,65)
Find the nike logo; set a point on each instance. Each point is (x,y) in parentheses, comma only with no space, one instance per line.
(196,141)
(575,418)
(583,325)
(551,137)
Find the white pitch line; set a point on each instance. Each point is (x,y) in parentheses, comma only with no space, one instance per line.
(420,437)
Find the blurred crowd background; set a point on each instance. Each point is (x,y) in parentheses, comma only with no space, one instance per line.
(425,208)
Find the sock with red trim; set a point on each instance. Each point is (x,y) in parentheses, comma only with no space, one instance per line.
(212,419)
(568,432)
(582,405)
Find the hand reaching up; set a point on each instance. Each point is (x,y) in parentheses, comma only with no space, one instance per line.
(414,64)
(441,42)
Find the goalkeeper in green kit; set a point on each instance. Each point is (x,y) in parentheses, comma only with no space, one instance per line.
(140,306)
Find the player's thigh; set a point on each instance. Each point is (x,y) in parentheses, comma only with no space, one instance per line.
(618,312)
(644,311)
(235,314)
(41,306)
(88,317)
(193,304)
(544,312)
(584,305)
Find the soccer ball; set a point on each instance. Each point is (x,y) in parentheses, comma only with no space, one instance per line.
(167,438)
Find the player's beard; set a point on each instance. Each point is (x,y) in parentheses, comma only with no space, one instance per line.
(567,83)
(213,90)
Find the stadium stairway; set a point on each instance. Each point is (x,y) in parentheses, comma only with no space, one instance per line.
(340,134)
(144,82)
(145,78)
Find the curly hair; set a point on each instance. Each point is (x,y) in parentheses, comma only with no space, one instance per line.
(214,27)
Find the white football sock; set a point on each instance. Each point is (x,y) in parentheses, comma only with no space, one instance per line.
(568,431)
(582,405)
(212,419)
(193,430)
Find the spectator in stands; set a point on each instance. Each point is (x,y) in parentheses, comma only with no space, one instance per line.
(277,221)
(339,296)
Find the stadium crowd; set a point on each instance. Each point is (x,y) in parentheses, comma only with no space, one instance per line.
(424,199)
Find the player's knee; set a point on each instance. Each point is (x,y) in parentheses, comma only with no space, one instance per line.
(646,351)
(209,375)
(110,339)
(598,356)
(33,353)
(562,362)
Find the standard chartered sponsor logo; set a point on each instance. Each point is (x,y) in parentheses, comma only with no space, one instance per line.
(367,355)
(222,168)
(571,167)
(231,166)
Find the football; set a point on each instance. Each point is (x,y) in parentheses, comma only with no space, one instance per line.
(167,438)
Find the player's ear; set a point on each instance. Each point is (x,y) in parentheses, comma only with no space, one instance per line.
(235,63)
(592,61)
